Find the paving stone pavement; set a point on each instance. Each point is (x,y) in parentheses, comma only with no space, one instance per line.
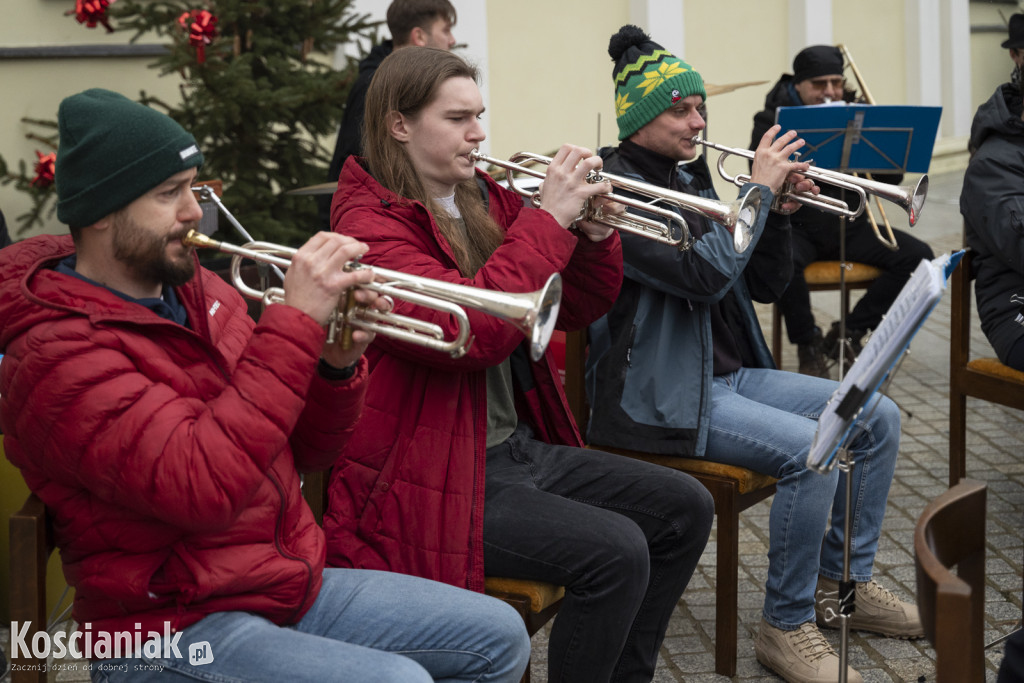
(921,388)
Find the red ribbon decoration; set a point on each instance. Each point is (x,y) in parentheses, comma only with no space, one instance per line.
(44,169)
(202,29)
(92,12)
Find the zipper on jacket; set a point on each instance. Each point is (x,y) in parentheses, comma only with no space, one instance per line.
(278,530)
(629,346)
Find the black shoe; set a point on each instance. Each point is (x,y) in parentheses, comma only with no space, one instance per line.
(853,339)
(812,357)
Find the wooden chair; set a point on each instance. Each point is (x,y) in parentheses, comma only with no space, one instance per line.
(536,602)
(984,378)
(734,489)
(31,545)
(823,276)
(951,532)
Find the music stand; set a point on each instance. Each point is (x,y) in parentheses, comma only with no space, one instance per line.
(872,371)
(866,139)
(862,138)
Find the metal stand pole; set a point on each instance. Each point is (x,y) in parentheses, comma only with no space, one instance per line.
(847,588)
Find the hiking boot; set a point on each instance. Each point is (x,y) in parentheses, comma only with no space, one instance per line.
(812,357)
(800,656)
(876,609)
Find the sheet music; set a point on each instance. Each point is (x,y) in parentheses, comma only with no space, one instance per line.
(904,318)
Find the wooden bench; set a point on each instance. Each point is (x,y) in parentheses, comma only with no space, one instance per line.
(734,489)
(822,276)
(984,378)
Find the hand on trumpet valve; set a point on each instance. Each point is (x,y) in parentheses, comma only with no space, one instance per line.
(565,187)
(773,166)
(317,278)
(595,209)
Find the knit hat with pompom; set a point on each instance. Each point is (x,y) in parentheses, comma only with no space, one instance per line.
(648,79)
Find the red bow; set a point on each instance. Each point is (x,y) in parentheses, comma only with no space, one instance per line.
(92,12)
(202,29)
(44,169)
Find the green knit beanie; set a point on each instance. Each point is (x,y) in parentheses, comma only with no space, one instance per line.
(648,79)
(112,151)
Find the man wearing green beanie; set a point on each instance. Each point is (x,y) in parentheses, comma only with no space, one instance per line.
(165,432)
(679,365)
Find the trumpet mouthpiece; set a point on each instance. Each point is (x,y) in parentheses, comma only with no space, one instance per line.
(194,238)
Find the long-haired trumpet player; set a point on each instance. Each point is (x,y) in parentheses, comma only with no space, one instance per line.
(472,466)
(818,78)
(679,367)
(165,432)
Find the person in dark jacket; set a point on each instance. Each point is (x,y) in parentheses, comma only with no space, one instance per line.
(679,367)
(427,23)
(472,466)
(992,204)
(818,78)
(165,432)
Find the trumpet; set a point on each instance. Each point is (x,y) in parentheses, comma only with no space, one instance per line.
(533,313)
(660,224)
(908,197)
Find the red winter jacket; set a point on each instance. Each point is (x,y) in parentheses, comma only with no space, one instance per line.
(410,495)
(163,452)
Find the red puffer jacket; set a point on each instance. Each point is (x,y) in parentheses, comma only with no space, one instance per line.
(168,455)
(410,495)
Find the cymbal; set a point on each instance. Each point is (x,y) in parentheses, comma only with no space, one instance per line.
(322,188)
(713,89)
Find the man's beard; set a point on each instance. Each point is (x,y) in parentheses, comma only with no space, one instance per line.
(146,254)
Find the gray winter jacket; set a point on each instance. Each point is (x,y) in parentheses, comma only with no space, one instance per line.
(649,369)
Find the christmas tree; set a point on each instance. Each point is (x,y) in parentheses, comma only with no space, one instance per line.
(258,92)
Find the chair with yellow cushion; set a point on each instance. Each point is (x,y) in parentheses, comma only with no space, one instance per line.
(823,276)
(984,378)
(734,489)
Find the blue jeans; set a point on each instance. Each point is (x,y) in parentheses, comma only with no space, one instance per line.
(765,420)
(622,536)
(365,626)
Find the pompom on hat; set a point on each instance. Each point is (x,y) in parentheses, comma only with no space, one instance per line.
(648,79)
(112,151)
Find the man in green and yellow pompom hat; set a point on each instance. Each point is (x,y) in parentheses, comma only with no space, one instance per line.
(679,366)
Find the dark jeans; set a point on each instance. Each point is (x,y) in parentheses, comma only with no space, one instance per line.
(622,536)
(821,243)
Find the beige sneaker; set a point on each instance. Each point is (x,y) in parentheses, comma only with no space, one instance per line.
(876,609)
(800,656)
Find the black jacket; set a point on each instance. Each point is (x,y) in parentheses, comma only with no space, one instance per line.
(992,204)
(350,134)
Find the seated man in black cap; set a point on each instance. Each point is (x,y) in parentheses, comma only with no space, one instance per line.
(817,79)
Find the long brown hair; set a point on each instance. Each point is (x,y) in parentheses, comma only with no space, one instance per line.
(406,82)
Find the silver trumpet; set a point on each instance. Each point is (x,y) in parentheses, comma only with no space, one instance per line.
(663,224)
(908,197)
(533,313)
